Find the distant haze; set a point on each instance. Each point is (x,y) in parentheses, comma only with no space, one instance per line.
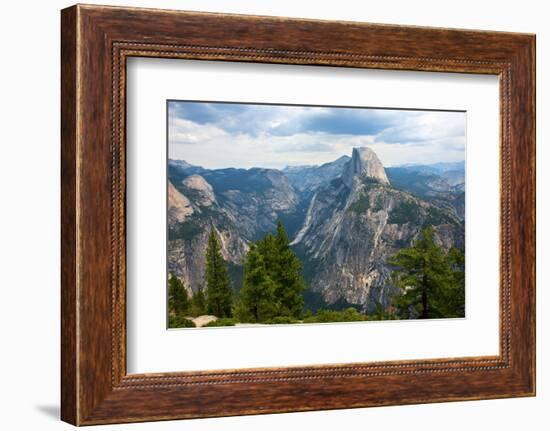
(220,135)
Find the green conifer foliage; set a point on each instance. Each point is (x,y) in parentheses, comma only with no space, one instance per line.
(257,299)
(290,284)
(456,300)
(178,301)
(218,286)
(431,285)
(198,302)
(273,285)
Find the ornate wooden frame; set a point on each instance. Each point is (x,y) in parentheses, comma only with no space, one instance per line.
(95,43)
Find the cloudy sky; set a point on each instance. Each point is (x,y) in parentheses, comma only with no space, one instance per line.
(221,135)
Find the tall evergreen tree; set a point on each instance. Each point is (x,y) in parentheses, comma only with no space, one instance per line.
(178,301)
(456,300)
(218,286)
(272,275)
(198,302)
(290,284)
(256,300)
(426,277)
(267,248)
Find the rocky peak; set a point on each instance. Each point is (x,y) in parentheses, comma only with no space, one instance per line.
(203,189)
(364,163)
(179,207)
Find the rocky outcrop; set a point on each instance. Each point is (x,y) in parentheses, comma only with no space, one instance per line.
(186,252)
(254,198)
(179,207)
(364,163)
(200,190)
(354,224)
(193,211)
(239,205)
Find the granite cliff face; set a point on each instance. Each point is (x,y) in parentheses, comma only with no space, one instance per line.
(192,211)
(345,220)
(355,223)
(255,198)
(364,163)
(240,205)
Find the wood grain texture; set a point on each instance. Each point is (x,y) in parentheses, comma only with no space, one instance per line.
(96,41)
(69,366)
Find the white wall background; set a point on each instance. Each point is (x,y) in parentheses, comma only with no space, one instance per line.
(29,215)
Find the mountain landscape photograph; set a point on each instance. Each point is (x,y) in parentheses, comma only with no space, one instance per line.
(291,214)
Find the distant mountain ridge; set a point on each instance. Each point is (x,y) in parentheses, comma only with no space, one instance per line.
(453,172)
(437,167)
(308,178)
(344,218)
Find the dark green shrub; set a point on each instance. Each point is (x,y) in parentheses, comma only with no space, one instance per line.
(327,316)
(281,320)
(407,211)
(224,321)
(361,205)
(180,322)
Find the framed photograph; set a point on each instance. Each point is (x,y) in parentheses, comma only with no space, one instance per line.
(264,215)
(287,215)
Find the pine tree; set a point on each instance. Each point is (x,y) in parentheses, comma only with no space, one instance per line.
(198,302)
(218,286)
(290,284)
(257,300)
(273,285)
(178,301)
(456,296)
(267,248)
(426,278)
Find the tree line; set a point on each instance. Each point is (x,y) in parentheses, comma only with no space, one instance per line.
(430,282)
(272,289)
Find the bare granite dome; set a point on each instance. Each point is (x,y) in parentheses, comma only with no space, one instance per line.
(202,187)
(364,163)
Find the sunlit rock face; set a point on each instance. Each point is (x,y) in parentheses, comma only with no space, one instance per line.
(364,163)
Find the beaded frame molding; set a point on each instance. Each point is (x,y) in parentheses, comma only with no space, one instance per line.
(95,43)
